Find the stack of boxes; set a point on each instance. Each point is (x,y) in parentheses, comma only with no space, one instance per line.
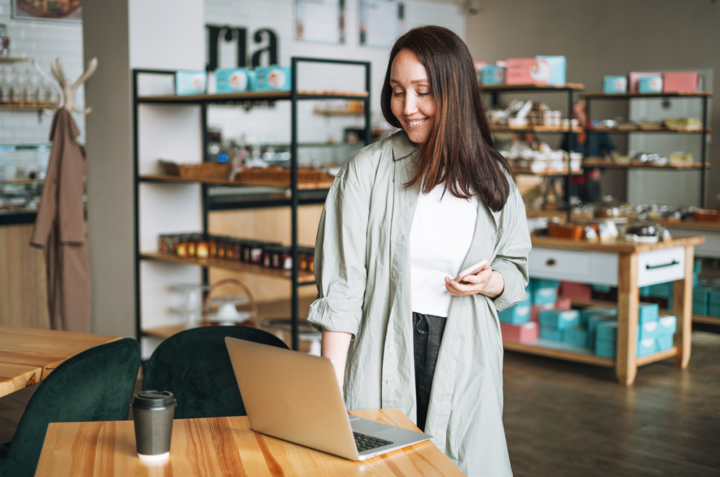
(655,333)
(521,323)
(234,80)
(652,82)
(525,71)
(706,298)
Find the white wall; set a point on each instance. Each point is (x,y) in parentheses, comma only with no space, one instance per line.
(273,125)
(44,41)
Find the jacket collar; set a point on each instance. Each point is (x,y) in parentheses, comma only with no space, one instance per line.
(402,146)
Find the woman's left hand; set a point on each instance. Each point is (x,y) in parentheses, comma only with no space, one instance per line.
(487,282)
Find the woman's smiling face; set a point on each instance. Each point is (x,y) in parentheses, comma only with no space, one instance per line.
(411,103)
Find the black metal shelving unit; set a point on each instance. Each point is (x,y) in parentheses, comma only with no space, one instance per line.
(569,89)
(294,196)
(703,96)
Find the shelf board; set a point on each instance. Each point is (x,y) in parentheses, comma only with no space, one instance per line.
(590,162)
(12,59)
(499,88)
(176,179)
(688,94)
(655,357)
(709,320)
(691,225)
(559,350)
(529,172)
(537,129)
(250,96)
(21,181)
(654,130)
(18,107)
(338,112)
(272,309)
(303,277)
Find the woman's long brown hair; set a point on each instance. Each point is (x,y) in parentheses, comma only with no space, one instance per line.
(460,150)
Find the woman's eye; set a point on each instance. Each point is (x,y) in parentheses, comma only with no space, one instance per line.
(397,93)
(423,93)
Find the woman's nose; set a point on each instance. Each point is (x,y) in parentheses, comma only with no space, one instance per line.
(410,105)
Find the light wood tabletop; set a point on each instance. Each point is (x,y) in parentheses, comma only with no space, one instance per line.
(28,355)
(223,446)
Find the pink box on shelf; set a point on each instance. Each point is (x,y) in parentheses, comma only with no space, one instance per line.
(563,304)
(634,78)
(536,309)
(680,81)
(526,71)
(575,290)
(525,332)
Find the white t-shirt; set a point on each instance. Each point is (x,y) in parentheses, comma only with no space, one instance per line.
(440,238)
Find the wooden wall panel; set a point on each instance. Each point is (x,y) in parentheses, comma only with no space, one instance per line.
(23,289)
(272,225)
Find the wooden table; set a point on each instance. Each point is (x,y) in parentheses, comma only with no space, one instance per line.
(223,446)
(627,266)
(28,355)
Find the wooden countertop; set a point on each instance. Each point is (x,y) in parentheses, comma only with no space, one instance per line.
(616,245)
(224,446)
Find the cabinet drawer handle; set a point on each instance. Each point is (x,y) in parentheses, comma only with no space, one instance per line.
(551,262)
(653,267)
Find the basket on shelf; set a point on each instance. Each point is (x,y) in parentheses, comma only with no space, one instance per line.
(203,170)
(569,231)
(281,176)
(707,215)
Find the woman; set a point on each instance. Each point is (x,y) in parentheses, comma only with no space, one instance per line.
(403,217)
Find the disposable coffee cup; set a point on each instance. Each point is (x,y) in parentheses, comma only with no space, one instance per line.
(153,413)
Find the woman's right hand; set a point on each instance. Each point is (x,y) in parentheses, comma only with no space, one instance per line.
(335,346)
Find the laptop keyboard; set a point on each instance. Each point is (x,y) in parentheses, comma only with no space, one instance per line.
(365,442)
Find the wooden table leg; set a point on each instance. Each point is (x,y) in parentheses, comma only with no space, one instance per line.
(682,307)
(628,302)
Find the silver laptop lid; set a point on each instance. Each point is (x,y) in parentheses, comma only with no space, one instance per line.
(292,396)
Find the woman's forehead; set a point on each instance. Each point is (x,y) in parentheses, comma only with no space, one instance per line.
(407,68)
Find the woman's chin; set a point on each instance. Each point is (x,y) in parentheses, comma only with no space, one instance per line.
(417,137)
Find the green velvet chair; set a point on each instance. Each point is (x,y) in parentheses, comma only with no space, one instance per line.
(195,366)
(95,385)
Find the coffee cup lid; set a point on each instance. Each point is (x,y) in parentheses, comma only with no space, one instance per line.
(153,399)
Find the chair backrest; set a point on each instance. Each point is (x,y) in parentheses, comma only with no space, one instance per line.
(95,385)
(195,366)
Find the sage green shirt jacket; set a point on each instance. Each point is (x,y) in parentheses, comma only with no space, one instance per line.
(363,276)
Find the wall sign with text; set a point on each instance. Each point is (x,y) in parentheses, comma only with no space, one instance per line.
(265,40)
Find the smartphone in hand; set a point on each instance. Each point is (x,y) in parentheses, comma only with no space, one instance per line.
(472,270)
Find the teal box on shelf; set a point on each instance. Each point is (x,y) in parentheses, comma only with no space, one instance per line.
(700,308)
(645,291)
(543,296)
(605,348)
(714,310)
(661,290)
(576,336)
(592,325)
(648,330)
(558,68)
(536,283)
(615,84)
(667,325)
(664,343)
(646,347)
(648,312)
(548,333)
(559,319)
(602,288)
(697,266)
(232,80)
(271,78)
(516,315)
(606,330)
(650,84)
(493,75)
(591,311)
(190,82)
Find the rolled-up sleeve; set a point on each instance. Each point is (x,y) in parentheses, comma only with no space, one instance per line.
(512,254)
(340,262)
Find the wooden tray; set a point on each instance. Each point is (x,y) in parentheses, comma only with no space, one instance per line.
(280,177)
(707,215)
(203,170)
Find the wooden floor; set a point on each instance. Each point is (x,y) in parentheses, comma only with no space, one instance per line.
(568,419)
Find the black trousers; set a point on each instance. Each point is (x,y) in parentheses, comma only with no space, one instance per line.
(427,336)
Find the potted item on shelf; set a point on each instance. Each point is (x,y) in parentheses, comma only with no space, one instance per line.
(610,209)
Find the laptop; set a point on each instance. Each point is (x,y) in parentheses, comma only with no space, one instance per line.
(295,397)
